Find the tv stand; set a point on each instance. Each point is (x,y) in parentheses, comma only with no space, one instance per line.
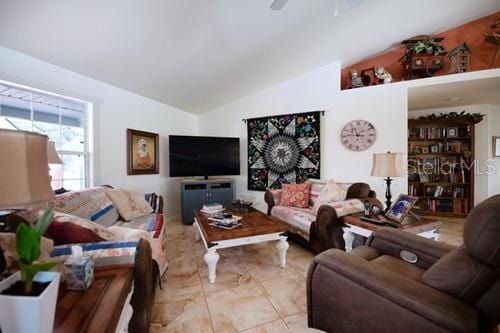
(196,193)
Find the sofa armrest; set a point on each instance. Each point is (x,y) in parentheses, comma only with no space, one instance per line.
(359,190)
(269,199)
(143,296)
(326,232)
(347,293)
(392,242)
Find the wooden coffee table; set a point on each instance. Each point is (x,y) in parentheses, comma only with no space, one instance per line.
(256,227)
(425,227)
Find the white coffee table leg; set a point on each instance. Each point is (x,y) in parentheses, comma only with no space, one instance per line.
(282,246)
(211,258)
(348,239)
(197,236)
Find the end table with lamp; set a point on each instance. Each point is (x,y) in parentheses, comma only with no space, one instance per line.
(388,165)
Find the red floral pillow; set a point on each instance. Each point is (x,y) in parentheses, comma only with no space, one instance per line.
(296,195)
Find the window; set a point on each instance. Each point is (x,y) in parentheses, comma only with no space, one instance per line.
(62,119)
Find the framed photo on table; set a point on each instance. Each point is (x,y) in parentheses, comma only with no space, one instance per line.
(142,152)
(401,208)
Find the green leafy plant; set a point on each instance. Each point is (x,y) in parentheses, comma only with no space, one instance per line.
(429,46)
(28,243)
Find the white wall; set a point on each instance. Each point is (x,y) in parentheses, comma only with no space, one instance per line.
(115,110)
(487,180)
(493,130)
(384,106)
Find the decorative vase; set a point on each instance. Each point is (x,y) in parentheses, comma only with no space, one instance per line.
(23,314)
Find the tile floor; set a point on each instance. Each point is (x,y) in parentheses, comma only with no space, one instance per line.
(252,293)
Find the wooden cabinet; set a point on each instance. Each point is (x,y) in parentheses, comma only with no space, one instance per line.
(441,165)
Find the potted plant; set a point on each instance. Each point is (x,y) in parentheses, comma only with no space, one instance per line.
(429,46)
(28,297)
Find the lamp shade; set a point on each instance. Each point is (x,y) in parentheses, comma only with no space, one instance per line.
(24,170)
(52,155)
(388,165)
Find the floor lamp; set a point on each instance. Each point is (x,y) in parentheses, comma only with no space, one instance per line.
(388,165)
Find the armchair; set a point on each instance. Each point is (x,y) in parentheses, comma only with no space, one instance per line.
(400,282)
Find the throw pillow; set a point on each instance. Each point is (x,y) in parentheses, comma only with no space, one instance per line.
(331,192)
(130,205)
(91,204)
(69,229)
(296,195)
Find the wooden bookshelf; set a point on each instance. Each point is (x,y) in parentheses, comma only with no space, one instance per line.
(441,164)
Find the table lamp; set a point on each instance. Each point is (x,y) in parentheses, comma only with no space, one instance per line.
(24,169)
(388,165)
(52,156)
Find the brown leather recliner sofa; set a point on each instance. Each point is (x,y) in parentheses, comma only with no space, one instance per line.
(400,282)
(321,230)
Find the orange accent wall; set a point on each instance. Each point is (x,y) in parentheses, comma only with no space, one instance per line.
(472,33)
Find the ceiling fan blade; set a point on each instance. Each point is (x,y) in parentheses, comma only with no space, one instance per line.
(354,3)
(278,4)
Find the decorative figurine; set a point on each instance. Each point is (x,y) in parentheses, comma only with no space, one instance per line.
(459,59)
(356,80)
(494,38)
(382,75)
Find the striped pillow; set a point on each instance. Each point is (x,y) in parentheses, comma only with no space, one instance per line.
(92,204)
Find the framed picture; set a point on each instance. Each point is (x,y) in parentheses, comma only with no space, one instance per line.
(452,132)
(496,146)
(401,207)
(425,150)
(142,152)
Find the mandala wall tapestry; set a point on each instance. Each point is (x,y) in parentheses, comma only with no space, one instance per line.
(283,149)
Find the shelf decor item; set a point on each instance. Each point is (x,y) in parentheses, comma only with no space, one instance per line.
(388,165)
(424,56)
(452,132)
(28,297)
(494,38)
(142,153)
(460,59)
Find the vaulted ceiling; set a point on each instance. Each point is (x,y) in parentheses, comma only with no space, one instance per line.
(200,54)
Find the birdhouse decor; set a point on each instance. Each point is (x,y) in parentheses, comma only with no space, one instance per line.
(459,59)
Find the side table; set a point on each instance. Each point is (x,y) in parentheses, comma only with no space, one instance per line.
(425,227)
(99,309)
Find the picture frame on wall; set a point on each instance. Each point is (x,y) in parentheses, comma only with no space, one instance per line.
(142,152)
(496,146)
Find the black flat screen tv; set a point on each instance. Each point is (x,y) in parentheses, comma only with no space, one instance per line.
(192,156)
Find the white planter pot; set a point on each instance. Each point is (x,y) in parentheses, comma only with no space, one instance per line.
(20,314)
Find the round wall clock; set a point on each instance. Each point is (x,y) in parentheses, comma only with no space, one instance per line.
(358,135)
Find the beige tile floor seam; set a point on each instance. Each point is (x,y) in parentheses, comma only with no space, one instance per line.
(249,279)
(206,303)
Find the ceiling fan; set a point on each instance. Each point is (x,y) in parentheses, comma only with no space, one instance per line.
(279,4)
